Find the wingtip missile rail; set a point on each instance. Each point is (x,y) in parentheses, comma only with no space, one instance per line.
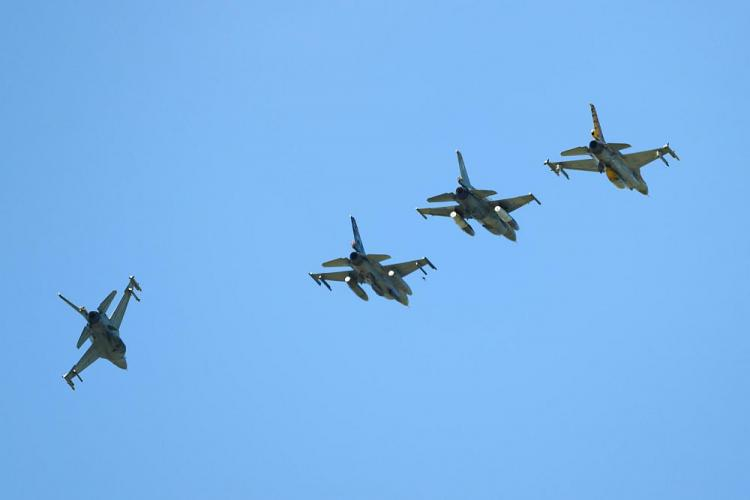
(320,281)
(667,151)
(556,168)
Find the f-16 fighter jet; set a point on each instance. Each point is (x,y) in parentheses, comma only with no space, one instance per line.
(473,203)
(103,331)
(387,281)
(624,171)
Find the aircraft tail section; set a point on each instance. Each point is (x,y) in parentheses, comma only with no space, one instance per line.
(85,334)
(106,302)
(483,193)
(596,132)
(463,178)
(357,243)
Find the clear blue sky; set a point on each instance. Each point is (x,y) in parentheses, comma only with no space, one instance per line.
(216,149)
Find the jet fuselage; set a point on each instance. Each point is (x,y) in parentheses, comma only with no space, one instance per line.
(106,339)
(494,219)
(388,285)
(613,164)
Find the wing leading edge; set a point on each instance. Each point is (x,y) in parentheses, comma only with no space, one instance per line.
(642,158)
(91,355)
(406,268)
(510,204)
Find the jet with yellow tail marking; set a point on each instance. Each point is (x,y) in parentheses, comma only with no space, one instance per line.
(104,332)
(385,280)
(623,170)
(472,203)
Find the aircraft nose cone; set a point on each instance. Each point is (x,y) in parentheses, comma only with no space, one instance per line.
(643,189)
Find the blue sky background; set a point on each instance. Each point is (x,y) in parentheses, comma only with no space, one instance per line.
(216,149)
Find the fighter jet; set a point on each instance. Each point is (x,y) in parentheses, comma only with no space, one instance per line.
(386,281)
(103,331)
(622,170)
(473,203)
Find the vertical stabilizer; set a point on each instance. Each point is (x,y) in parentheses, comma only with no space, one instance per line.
(357,243)
(463,177)
(596,132)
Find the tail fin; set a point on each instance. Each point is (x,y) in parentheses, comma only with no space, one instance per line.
(463,178)
(357,243)
(596,132)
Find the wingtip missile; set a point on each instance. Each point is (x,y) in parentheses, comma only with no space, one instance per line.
(320,281)
(420,213)
(556,168)
(671,152)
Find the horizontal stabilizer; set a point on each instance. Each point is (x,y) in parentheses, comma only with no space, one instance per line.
(617,146)
(85,334)
(106,302)
(340,262)
(483,193)
(580,150)
(377,257)
(442,197)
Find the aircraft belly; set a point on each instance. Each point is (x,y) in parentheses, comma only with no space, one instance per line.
(494,224)
(626,175)
(473,208)
(101,346)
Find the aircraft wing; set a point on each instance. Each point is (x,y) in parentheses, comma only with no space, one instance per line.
(324,278)
(637,160)
(510,204)
(406,268)
(91,355)
(588,165)
(439,211)
(119,313)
